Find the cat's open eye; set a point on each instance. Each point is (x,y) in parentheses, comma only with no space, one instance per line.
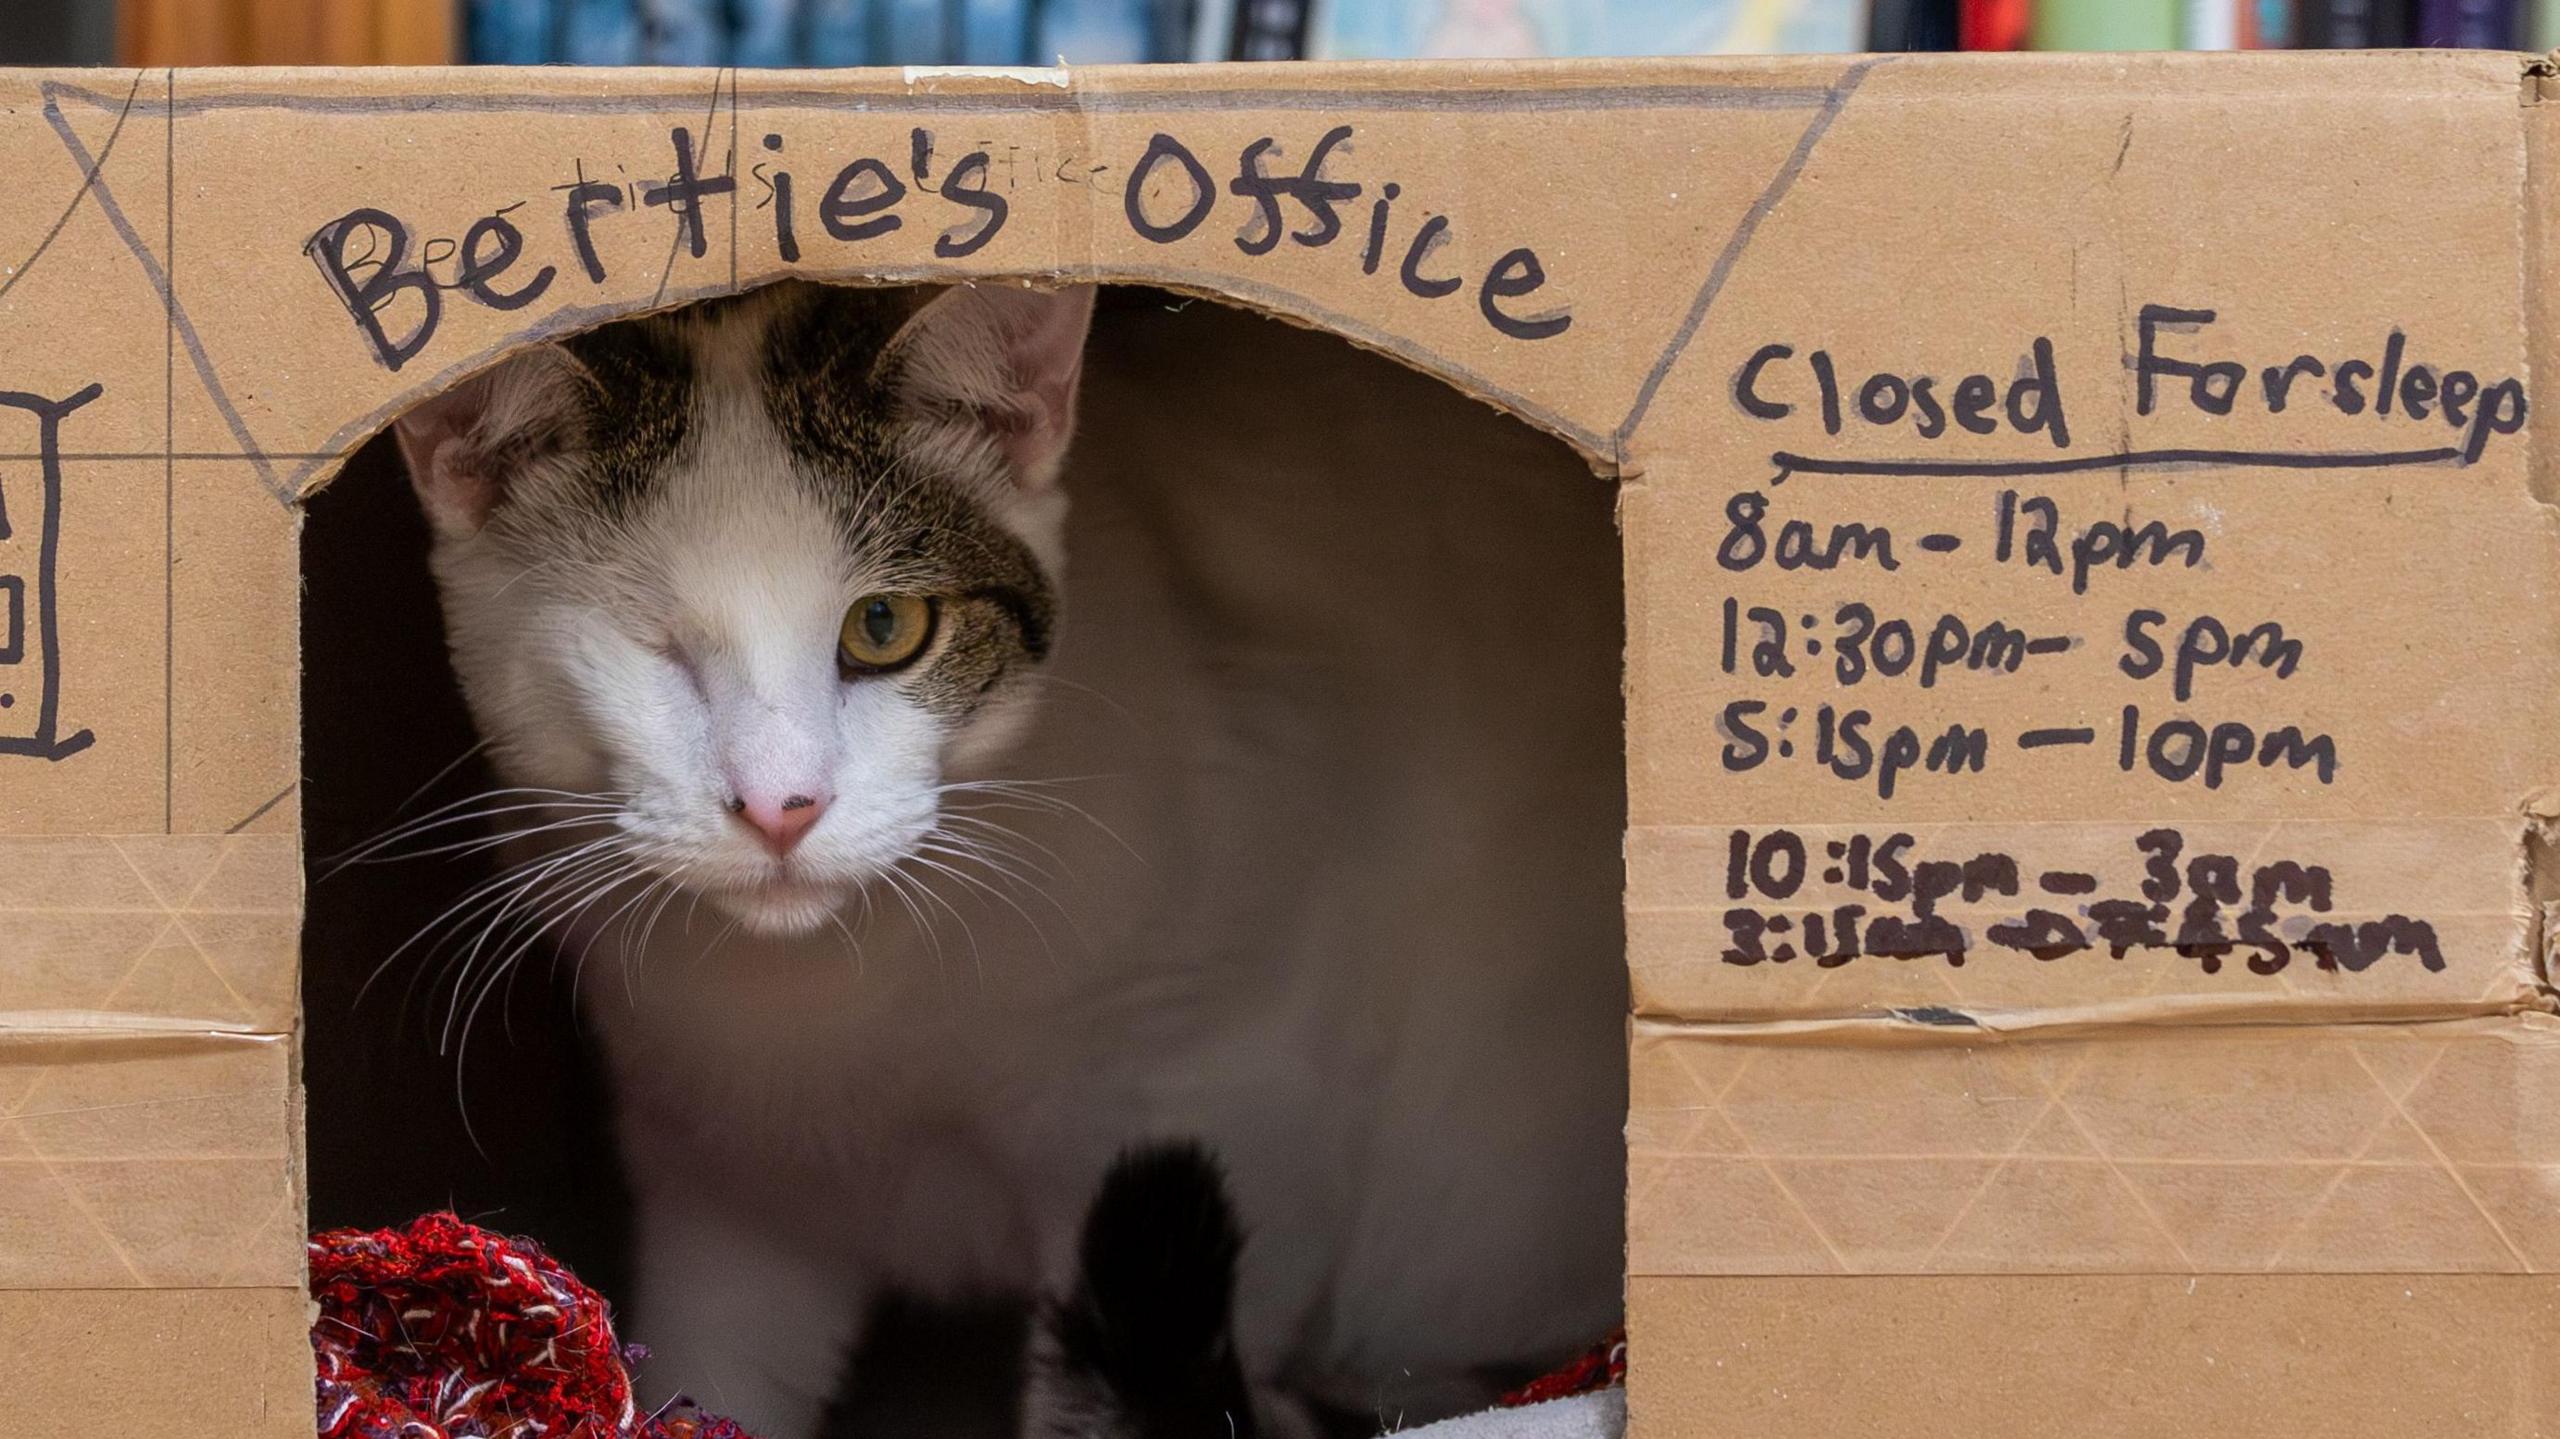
(885,632)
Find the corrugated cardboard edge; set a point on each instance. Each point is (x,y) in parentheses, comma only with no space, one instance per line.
(2539,215)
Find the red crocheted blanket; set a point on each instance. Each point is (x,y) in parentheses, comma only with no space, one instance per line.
(442,1330)
(1602,1367)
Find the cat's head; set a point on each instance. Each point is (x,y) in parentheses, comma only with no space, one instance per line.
(759,573)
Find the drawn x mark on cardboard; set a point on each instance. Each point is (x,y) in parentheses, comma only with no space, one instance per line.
(96,187)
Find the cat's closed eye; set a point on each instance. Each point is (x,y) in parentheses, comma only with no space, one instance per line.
(886,632)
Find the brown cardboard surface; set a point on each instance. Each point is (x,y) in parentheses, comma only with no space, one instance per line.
(148,1161)
(2112,1357)
(1867,1148)
(149,932)
(143,1361)
(2137,972)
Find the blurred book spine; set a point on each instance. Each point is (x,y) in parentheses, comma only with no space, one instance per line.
(996,32)
(683,32)
(2470,24)
(2267,25)
(1095,32)
(509,32)
(2212,24)
(838,32)
(1913,25)
(1992,24)
(912,33)
(2352,25)
(766,34)
(2104,25)
(1271,30)
(601,32)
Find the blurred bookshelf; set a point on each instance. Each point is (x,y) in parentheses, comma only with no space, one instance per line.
(283,32)
(2219,24)
(1040,32)
(782,33)
(58,32)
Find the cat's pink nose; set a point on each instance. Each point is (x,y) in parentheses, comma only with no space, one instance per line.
(779,821)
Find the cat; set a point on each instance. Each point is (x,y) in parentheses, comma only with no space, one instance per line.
(904,894)
(1140,1344)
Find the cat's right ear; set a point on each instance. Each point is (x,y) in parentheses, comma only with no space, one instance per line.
(1006,356)
(466,445)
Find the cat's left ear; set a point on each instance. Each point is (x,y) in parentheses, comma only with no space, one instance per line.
(468,444)
(1010,358)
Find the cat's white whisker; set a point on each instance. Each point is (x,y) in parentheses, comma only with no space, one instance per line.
(1048,681)
(527,905)
(486,892)
(900,886)
(997,861)
(1033,795)
(455,814)
(674,885)
(441,775)
(852,946)
(962,877)
(993,846)
(532,928)
(505,837)
(1037,861)
(462,1044)
(968,932)
(525,888)
(594,936)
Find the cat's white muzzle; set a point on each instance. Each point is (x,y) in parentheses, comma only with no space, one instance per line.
(783,907)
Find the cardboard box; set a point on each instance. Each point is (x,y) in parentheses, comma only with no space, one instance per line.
(2085,869)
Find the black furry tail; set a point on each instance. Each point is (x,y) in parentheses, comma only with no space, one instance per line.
(1143,1347)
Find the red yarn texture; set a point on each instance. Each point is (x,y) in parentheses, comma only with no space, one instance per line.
(1602,1368)
(441,1330)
